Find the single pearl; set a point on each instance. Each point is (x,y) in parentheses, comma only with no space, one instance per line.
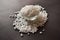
(21,35)
(41,32)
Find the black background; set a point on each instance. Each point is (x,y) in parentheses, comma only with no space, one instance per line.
(52,27)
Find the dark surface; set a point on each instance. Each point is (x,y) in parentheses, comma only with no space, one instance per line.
(52,27)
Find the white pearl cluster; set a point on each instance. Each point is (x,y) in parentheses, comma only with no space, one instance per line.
(29,18)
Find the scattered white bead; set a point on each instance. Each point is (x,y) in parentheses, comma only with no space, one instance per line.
(14,27)
(21,35)
(41,32)
(28,33)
